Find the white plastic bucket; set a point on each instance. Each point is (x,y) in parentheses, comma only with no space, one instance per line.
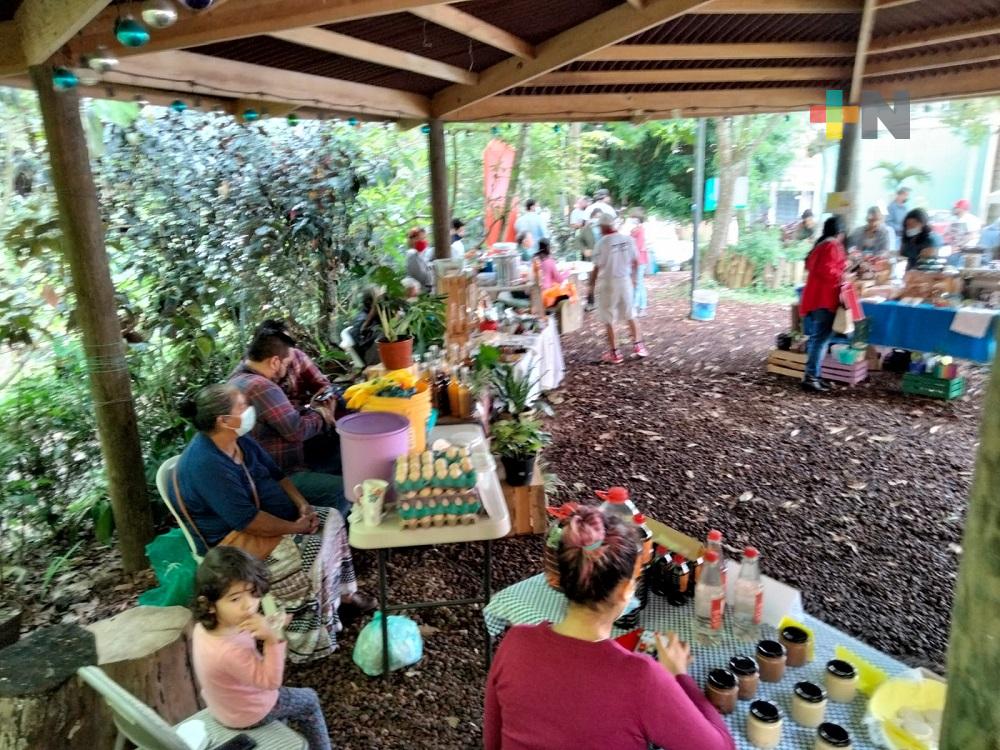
(703,304)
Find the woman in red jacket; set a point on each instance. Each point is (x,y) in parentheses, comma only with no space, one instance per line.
(825,264)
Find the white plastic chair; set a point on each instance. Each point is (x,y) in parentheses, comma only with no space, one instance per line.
(139,724)
(162,481)
(347,343)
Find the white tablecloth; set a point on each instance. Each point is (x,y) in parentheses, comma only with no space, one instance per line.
(543,361)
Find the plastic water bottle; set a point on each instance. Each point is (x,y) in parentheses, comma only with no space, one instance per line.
(748,608)
(715,545)
(617,503)
(709,601)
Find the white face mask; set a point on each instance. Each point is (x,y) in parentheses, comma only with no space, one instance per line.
(913,232)
(247,422)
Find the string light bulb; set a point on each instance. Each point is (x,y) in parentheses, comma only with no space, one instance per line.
(131,33)
(251,115)
(64,79)
(102,60)
(353,122)
(198,4)
(159,14)
(425,129)
(292,119)
(178,105)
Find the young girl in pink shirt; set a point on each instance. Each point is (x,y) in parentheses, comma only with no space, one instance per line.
(241,683)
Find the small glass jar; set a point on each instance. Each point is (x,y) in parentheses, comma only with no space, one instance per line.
(764,725)
(721,690)
(808,704)
(747,676)
(771,657)
(796,641)
(841,681)
(832,737)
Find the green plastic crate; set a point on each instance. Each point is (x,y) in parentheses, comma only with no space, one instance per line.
(932,387)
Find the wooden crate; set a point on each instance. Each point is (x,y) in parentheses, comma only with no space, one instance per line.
(915,384)
(789,364)
(526,505)
(834,369)
(793,365)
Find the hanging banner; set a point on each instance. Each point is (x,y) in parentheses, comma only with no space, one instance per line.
(498,161)
(741,193)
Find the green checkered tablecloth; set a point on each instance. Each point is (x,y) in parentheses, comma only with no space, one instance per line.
(533,601)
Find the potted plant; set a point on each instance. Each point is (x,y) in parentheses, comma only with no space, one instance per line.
(518,443)
(515,395)
(395,347)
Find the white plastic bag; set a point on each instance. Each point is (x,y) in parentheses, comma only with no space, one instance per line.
(843,323)
(406,646)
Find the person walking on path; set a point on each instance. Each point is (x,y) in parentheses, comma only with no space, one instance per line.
(825,265)
(616,265)
(638,235)
(897,212)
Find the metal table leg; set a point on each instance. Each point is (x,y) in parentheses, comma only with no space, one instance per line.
(383,596)
(487,595)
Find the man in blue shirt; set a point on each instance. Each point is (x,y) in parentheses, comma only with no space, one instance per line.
(531,221)
(897,213)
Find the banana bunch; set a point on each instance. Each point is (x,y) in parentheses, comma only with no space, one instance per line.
(401,383)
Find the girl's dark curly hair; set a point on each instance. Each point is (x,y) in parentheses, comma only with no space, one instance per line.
(220,569)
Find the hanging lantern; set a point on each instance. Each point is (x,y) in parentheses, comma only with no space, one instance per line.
(292,119)
(159,14)
(425,129)
(198,4)
(251,115)
(178,105)
(102,60)
(130,32)
(63,79)
(353,122)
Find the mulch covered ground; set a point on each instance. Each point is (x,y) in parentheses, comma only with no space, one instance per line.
(857,498)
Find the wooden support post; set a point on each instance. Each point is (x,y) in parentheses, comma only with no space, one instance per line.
(439,191)
(972,713)
(847,171)
(83,234)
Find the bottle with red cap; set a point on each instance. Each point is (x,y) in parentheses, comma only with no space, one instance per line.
(709,601)
(748,608)
(715,545)
(617,503)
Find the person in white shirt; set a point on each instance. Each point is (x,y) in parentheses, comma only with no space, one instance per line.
(531,221)
(613,280)
(965,226)
(580,214)
(602,206)
(457,239)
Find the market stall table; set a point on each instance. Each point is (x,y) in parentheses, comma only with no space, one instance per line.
(543,361)
(533,601)
(390,534)
(925,328)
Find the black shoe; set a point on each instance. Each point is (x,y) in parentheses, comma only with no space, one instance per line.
(814,385)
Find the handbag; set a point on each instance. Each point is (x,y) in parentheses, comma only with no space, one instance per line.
(843,323)
(253,544)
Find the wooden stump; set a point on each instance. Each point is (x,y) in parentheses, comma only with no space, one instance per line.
(42,704)
(526,505)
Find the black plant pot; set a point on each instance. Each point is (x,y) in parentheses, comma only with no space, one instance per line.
(518,469)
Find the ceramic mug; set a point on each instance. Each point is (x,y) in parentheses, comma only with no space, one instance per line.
(371,497)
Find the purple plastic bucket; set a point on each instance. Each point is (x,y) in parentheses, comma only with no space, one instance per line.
(370,443)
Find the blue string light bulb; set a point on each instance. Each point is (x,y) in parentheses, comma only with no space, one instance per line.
(425,128)
(64,79)
(495,130)
(251,115)
(353,122)
(557,127)
(178,105)
(131,33)
(198,4)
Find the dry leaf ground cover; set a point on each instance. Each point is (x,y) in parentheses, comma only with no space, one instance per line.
(857,498)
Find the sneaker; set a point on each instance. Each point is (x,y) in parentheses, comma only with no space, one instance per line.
(612,357)
(814,385)
(639,349)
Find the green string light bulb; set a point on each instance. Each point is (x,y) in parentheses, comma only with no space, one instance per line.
(292,119)
(131,33)
(557,127)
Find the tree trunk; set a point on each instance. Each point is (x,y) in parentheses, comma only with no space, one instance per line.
(439,191)
(847,171)
(993,210)
(515,173)
(454,169)
(727,185)
(111,391)
(972,712)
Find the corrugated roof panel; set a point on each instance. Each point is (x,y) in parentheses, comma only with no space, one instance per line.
(275,53)
(734,28)
(536,21)
(652,88)
(598,65)
(930,15)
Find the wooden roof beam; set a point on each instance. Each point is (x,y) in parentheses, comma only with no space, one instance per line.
(751,51)
(699,75)
(941,35)
(192,74)
(600,31)
(950,85)
(782,6)
(931,61)
(359,49)
(237,20)
(861,56)
(12,59)
(46,25)
(470,26)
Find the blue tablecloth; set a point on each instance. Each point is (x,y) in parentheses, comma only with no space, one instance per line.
(925,328)
(532,601)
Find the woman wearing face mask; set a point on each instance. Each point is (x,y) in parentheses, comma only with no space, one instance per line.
(825,266)
(230,492)
(918,238)
(618,699)
(417,265)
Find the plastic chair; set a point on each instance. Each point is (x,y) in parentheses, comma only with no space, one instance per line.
(139,724)
(347,344)
(162,480)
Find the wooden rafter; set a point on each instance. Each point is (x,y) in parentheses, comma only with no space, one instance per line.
(11,56)
(470,26)
(359,49)
(886,4)
(46,25)
(699,75)
(237,20)
(861,56)
(931,61)
(751,51)
(194,73)
(782,6)
(940,35)
(949,85)
(600,31)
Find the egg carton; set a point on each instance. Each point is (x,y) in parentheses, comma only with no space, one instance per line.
(439,507)
(443,471)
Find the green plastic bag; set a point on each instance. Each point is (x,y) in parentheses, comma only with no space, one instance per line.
(170,556)
(406,647)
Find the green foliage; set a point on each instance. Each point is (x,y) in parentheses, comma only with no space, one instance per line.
(897,174)
(971,119)
(763,246)
(518,438)
(427,322)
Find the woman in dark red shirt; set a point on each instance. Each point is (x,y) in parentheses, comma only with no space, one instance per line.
(825,265)
(569,686)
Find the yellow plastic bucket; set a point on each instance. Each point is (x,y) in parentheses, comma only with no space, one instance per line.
(417,409)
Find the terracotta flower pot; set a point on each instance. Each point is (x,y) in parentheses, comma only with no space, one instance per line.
(396,355)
